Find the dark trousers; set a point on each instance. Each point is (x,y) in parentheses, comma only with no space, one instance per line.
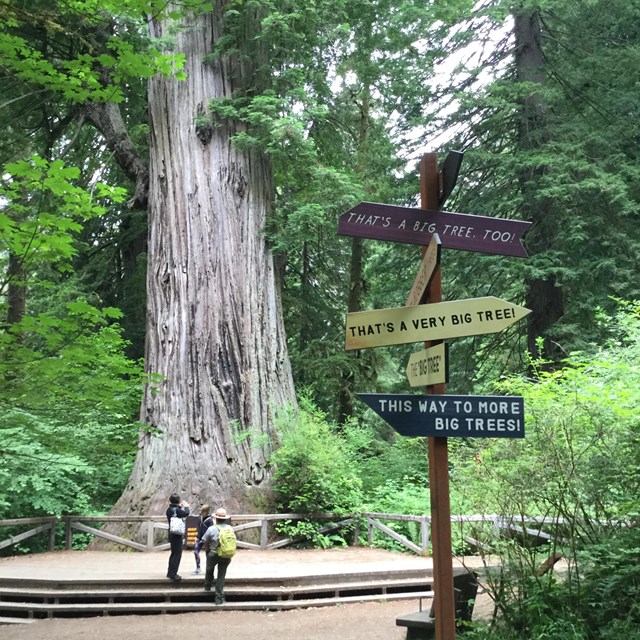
(175,540)
(214,560)
(196,552)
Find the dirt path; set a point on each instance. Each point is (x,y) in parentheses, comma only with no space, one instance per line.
(362,621)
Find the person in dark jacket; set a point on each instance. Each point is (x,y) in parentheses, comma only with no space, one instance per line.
(178,509)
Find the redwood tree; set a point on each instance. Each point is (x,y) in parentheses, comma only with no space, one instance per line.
(215,348)
(215,338)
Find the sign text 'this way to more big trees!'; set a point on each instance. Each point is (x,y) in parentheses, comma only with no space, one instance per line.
(450,415)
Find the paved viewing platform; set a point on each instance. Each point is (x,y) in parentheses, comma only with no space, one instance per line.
(63,584)
(71,566)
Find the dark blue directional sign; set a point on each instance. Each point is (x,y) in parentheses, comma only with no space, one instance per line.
(450,416)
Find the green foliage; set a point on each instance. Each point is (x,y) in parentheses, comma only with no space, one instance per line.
(68,393)
(68,400)
(314,472)
(580,453)
(579,462)
(99,58)
(572,170)
(41,209)
(611,585)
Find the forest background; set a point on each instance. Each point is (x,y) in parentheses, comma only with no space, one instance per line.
(309,108)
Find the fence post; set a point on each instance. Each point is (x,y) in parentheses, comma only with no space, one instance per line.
(356,529)
(68,533)
(424,525)
(52,534)
(264,533)
(151,538)
(369,531)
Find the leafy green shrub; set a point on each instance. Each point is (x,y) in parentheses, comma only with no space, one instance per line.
(580,462)
(314,472)
(69,396)
(611,585)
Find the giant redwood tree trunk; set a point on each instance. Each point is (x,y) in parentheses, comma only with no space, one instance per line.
(214,327)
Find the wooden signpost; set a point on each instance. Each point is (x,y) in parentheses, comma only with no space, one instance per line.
(437,416)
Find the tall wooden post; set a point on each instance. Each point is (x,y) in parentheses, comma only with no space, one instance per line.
(444,603)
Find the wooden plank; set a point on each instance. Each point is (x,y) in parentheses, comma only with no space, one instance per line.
(428,366)
(108,536)
(397,537)
(428,266)
(443,415)
(24,536)
(463,231)
(241,544)
(11,522)
(434,321)
(394,516)
(327,529)
(248,525)
(162,607)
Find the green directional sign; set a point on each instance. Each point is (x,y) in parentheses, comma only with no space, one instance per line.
(437,321)
(428,366)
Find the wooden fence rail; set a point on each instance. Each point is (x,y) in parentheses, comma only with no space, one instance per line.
(149,526)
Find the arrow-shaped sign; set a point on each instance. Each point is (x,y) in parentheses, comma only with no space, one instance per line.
(499,236)
(430,262)
(429,366)
(449,172)
(450,416)
(437,321)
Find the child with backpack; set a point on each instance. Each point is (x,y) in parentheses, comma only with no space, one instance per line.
(220,544)
(206,520)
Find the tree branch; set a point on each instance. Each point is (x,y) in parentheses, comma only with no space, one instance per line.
(107,118)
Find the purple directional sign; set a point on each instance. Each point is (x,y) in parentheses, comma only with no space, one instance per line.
(450,416)
(498,236)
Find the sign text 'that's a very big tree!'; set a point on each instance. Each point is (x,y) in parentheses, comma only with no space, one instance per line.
(437,321)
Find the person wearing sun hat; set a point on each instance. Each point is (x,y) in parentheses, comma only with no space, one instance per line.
(219,542)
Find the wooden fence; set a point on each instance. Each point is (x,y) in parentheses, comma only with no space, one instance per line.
(263,523)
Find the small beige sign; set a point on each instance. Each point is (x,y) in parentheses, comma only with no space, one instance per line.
(428,366)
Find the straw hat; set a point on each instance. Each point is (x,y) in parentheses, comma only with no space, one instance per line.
(221,514)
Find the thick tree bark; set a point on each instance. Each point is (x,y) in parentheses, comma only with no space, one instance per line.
(544,295)
(214,324)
